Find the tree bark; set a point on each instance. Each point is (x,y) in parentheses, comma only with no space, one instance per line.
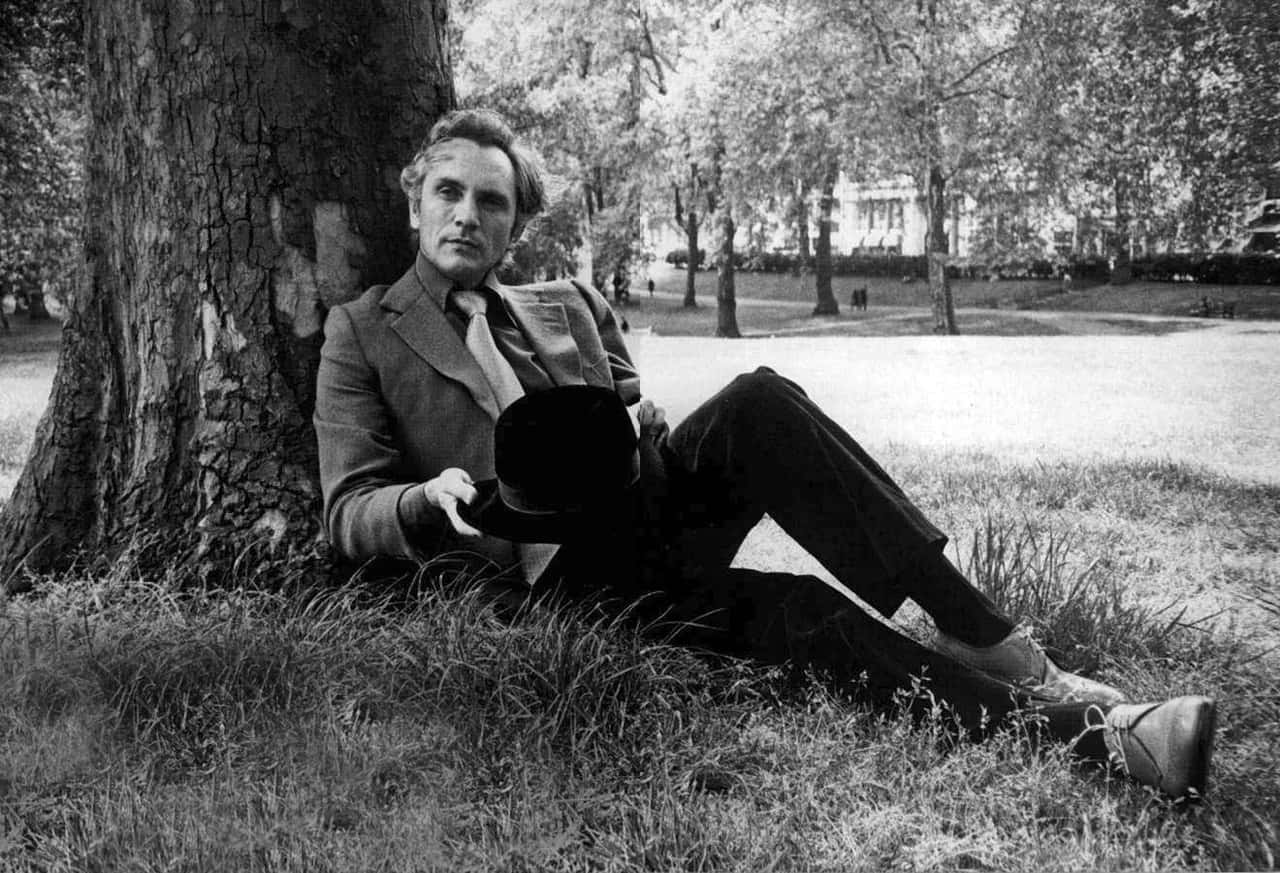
(36,310)
(944,310)
(242,179)
(690,224)
(802,228)
(827,304)
(726,297)
(691,268)
(1121,272)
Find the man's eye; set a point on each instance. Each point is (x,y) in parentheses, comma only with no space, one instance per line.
(448,190)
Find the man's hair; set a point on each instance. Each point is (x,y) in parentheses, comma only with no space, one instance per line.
(487,128)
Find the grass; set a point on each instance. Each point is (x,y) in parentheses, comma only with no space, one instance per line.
(149,726)
(28,353)
(897,308)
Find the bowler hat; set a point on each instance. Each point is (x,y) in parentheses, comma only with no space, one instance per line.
(565,459)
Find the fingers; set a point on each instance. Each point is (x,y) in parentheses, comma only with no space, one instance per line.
(650,416)
(446,491)
(451,511)
(652,420)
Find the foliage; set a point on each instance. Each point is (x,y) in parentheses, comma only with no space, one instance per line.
(680,257)
(550,245)
(42,128)
(615,245)
(575,78)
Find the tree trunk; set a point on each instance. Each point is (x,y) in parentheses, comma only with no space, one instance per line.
(944,310)
(36,310)
(827,304)
(1121,272)
(691,269)
(726,298)
(242,178)
(802,229)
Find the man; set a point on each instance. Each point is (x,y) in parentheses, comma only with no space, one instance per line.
(414,375)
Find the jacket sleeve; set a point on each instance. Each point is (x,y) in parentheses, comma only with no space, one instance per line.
(626,380)
(371,506)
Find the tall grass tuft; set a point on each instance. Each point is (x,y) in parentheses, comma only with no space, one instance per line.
(1077,604)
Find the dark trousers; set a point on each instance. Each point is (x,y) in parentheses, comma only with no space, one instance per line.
(762,446)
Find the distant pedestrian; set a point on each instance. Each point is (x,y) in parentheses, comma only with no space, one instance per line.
(650,287)
(621,288)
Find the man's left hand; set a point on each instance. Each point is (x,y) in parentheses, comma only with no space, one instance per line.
(653,422)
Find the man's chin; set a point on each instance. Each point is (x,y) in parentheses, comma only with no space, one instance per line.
(465,273)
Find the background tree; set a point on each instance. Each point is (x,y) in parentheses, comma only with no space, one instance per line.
(938,83)
(685,121)
(1177,114)
(575,77)
(799,113)
(1125,105)
(242,177)
(689,220)
(41,147)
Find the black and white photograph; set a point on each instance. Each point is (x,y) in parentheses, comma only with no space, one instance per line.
(639,435)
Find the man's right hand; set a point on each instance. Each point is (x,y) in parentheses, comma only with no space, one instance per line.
(446,491)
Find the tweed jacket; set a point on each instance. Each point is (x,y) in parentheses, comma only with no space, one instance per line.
(399,399)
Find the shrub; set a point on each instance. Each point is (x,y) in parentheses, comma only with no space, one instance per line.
(1216,268)
(1090,267)
(680,257)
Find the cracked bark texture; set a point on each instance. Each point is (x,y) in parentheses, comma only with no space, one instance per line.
(242,178)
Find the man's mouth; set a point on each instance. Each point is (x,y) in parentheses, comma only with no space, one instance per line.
(466,243)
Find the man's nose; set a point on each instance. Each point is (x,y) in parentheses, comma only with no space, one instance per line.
(465,212)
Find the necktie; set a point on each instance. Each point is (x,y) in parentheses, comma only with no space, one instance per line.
(534,557)
(497,370)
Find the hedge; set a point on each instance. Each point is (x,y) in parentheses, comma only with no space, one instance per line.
(1218,268)
(680,257)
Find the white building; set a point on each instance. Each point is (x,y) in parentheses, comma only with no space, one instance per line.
(885,217)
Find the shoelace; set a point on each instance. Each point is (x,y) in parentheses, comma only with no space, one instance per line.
(1123,731)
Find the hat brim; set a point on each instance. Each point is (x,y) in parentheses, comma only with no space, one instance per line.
(493,516)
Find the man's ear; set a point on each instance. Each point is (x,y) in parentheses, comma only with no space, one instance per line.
(414,219)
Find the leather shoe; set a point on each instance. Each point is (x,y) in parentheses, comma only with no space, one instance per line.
(1019,660)
(1165,745)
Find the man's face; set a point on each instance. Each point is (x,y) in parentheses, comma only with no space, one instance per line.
(467,211)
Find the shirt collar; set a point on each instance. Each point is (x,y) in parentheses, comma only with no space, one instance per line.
(438,287)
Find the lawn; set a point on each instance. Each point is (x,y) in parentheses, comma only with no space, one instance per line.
(897,308)
(28,353)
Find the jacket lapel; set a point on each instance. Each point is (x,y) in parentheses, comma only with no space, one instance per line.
(546,325)
(424,328)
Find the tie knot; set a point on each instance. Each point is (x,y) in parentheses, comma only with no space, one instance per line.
(471,303)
